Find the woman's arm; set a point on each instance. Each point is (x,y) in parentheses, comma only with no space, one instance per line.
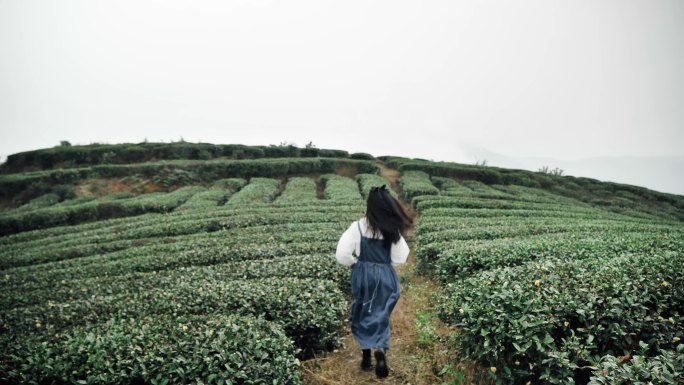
(400,252)
(347,245)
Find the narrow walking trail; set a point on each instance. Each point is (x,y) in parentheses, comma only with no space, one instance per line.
(408,363)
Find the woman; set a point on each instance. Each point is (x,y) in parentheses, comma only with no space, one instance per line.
(377,241)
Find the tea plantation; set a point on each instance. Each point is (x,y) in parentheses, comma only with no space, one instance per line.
(549,289)
(224,272)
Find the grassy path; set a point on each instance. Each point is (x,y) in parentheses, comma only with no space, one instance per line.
(415,356)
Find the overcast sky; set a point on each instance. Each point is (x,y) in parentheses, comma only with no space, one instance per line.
(566,80)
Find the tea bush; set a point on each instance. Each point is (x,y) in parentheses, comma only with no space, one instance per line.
(341,190)
(467,258)
(259,190)
(156,349)
(547,320)
(666,368)
(65,214)
(298,190)
(308,309)
(69,289)
(416,183)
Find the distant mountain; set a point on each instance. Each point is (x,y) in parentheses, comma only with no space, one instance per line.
(660,173)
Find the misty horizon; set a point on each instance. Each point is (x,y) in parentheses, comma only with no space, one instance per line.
(443,80)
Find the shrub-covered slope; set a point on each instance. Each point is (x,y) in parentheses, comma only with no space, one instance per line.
(214,263)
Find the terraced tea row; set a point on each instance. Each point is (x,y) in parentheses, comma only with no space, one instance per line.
(461,260)
(97,153)
(430,226)
(153,349)
(169,224)
(558,213)
(146,246)
(60,215)
(308,309)
(307,266)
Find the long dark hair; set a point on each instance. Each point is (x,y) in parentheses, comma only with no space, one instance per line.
(386,216)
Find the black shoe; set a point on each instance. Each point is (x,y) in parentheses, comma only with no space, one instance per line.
(366,362)
(381,369)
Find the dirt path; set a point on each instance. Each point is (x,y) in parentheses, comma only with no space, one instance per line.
(412,358)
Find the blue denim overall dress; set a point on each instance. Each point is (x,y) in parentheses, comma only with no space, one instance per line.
(375,290)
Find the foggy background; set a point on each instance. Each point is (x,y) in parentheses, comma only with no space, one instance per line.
(595,88)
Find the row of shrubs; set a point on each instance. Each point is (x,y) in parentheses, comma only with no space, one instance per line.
(158,349)
(584,189)
(341,190)
(40,182)
(67,156)
(488,175)
(196,238)
(416,183)
(442,230)
(308,309)
(60,215)
(64,290)
(174,224)
(210,199)
(427,202)
(193,250)
(258,191)
(132,255)
(461,259)
(101,237)
(521,213)
(298,190)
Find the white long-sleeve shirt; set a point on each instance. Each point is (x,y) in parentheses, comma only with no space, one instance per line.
(350,242)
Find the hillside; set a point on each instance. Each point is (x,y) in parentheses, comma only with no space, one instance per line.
(138,263)
(145,167)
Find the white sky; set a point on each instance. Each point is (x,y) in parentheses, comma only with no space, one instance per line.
(562,79)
